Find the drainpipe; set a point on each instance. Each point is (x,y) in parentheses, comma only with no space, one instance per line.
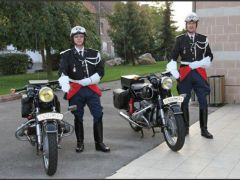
(194,6)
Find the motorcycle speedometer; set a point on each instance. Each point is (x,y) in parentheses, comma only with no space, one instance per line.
(167,83)
(46,94)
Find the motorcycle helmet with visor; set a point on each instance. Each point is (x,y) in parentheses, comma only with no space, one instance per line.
(77,30)
(192,17)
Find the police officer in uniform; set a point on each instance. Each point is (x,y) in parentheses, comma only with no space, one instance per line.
(80,71)
(196,56)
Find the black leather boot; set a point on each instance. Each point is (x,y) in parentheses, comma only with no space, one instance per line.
(185,111)
(98,136)
(203,114)
(79,131)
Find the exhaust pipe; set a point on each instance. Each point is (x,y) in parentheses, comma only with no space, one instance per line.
(126,117)
(21,129)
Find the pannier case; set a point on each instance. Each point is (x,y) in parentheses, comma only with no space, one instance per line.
(121,98)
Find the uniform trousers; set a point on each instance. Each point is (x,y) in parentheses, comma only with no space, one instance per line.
(198,84)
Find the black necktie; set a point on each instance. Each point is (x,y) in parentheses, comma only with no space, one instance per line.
(80,54)
(191,37)
(192,44)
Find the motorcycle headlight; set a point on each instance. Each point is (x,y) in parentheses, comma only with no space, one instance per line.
(46,94)
(167,83)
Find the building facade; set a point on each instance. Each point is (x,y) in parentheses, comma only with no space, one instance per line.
(101,9)
(220,21)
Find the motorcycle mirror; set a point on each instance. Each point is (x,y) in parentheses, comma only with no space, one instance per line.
(12,90)
(72,108)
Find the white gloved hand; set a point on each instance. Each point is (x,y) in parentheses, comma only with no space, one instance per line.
(85,82)
(206,62)
(175,74)
(64,82)
(195,64)
(172,65)
(94,79)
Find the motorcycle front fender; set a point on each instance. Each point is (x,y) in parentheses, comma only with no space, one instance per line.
(50,127)
(176,109)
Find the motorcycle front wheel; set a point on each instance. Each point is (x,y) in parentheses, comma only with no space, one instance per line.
(174,130)
(50,153)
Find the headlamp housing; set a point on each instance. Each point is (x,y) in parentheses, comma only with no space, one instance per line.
(167,83)
(46,94)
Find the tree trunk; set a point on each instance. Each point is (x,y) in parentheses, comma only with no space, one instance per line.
(132,58)
(49,64)
(43,60)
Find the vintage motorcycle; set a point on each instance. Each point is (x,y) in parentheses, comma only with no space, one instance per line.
(44,127)
(152,105)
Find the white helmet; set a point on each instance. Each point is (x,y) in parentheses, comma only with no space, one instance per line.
(78,29)
(192,17)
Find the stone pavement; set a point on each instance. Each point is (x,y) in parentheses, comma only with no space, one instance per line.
(200,158)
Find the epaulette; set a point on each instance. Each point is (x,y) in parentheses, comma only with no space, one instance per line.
(93,49)
(201,35)
(180,35)
(64,51)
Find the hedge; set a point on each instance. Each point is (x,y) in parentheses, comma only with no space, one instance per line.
(13,63)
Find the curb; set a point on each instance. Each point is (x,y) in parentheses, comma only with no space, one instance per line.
(9,97)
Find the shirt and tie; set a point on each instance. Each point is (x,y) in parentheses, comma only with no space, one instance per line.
(81,52)
(191,36)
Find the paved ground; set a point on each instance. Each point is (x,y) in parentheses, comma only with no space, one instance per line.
(200,158)
(18,159)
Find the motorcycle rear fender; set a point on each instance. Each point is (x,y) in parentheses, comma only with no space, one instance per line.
(50,127)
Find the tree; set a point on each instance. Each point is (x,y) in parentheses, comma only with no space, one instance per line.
(39,25)
(155,17)
(168,30)
(129,31)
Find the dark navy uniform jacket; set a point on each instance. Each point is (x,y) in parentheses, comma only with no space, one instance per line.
(77,68)
(189,51)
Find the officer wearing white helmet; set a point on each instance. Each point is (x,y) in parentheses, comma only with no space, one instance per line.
(80,71)
(195,56)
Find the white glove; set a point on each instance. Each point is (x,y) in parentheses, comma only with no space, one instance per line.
(172,65)
(94,79)
(195,64)
(85,82)
(175,74)
(64,82)
(206,62)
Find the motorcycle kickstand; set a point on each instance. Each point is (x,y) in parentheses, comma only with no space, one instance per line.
(153,132)
(142,133)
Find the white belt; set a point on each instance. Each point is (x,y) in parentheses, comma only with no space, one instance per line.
(185,63)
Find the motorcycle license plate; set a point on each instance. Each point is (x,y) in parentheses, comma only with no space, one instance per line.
(45,116)
(173,99)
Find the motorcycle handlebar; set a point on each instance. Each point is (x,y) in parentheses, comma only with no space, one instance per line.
(18,90)
(53,82)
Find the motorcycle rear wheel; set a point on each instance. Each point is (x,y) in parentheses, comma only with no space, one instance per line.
(50,153)
(174,132)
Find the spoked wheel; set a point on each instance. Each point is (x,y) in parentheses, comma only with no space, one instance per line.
(50,153)
(174,131)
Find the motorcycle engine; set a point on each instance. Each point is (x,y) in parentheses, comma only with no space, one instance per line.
(138,106)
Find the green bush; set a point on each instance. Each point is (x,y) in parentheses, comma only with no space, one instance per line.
(13,63)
